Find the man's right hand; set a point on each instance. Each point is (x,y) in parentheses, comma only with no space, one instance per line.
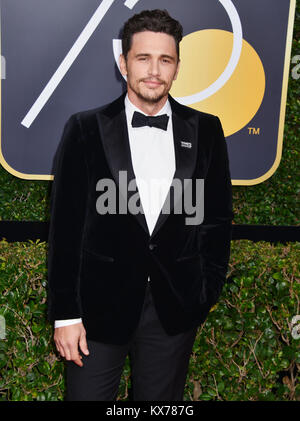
(67,339)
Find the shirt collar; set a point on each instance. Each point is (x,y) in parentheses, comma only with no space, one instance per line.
(130,108)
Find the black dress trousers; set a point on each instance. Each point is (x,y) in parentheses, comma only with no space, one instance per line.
(159,363)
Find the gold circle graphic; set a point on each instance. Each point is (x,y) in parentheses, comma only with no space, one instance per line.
(204,57)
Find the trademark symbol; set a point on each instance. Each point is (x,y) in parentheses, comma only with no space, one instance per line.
(253,130)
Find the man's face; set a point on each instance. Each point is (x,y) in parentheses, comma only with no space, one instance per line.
(151,66)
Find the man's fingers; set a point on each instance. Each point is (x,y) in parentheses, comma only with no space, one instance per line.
(78,361)
(67,353)
(60,350)
(76,357)
(83,344)
(70,353)
(67,339)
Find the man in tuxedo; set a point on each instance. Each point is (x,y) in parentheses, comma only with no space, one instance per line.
(137,283)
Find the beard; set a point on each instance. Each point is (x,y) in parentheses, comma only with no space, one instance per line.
(151,96)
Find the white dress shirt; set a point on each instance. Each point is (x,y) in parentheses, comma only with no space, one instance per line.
(153,161)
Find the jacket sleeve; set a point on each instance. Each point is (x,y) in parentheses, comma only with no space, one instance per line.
(67,215)
(216,229)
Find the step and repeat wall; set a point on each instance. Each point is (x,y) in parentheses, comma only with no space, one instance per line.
(59,57)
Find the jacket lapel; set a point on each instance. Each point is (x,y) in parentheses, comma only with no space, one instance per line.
(114,135)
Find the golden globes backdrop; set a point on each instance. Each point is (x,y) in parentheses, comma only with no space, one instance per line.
(59,57)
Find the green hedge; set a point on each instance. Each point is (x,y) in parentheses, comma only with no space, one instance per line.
(244,350)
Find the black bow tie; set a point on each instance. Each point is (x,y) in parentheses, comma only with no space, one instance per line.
(140,120)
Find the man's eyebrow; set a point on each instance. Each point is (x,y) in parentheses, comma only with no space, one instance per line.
(169,57)
(148,55)
(142,54)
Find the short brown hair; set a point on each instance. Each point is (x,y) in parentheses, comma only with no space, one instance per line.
(151,20)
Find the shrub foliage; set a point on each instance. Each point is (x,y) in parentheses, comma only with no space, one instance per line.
(243,351)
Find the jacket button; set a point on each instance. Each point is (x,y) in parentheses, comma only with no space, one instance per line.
(152,246)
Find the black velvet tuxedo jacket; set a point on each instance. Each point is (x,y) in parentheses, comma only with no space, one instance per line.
(98,265)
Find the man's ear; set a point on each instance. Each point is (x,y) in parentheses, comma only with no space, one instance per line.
(177,70)
(122,63)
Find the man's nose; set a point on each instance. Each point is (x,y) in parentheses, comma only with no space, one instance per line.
(154,68)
